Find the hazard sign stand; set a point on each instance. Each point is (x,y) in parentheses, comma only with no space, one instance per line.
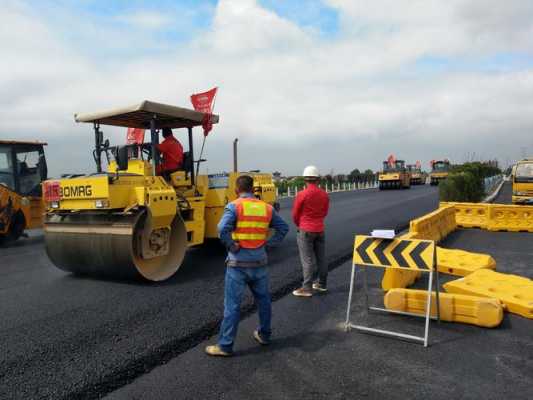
(406,254)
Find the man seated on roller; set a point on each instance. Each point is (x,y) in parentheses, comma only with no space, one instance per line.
(172,152)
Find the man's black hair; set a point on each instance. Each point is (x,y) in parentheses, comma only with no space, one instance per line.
(167,132)
(245,184)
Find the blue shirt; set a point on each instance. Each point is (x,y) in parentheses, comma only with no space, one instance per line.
(249,257)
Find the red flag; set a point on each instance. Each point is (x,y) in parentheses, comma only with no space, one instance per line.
(204,103)
(135,136)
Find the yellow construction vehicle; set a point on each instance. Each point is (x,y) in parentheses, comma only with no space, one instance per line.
(439,171)
(522,177)
(127,222)
(22,169)
(394,175)
(415,174)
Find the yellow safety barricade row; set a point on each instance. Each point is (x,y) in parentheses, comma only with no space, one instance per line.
(494,217)
(435,225)
(510,218)
(470,215)
(481,311)
(516,292)
(462,263)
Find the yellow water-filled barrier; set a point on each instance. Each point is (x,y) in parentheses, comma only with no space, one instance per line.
(475,310)
(516,292)
(510,218)
(462,263)
(470,215)
(435,225)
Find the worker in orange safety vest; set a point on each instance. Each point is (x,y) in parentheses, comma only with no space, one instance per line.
(244,230)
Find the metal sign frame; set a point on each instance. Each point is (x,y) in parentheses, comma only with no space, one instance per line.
(419,339)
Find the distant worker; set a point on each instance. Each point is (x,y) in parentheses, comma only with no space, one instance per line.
(172,152)
(244,229)
(308,213)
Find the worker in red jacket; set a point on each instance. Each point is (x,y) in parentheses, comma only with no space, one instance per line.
(172,152)
(308,213)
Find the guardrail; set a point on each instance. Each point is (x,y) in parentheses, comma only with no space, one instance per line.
(292,191)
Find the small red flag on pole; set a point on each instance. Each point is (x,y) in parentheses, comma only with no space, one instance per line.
(391,160)
(205,103)
(135,136)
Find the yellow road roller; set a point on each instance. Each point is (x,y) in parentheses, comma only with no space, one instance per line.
(415,174)
(394,175)
(124,221)
(22,169)
(439,171)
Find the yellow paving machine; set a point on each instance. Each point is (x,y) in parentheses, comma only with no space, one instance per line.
(394,175)
(439,171)
(127,222)
(522,178)
(22,169)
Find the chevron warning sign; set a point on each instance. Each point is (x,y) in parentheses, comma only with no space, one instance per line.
(394,253)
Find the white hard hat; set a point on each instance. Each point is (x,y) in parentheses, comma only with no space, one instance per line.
(311,171)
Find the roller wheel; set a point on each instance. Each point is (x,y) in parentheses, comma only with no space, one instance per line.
(111,246)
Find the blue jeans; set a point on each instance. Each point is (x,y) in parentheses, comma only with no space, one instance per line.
(237,278)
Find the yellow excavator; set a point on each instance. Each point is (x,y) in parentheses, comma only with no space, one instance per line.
(126,222)
(22,169)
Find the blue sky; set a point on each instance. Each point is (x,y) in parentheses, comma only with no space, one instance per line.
(331,82)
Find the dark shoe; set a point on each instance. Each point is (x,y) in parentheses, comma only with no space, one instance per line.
(320,288)
(302,292)
(259,339)
(217,351)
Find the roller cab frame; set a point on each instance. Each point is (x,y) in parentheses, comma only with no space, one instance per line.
(394,176)
(522,180)
(22,169)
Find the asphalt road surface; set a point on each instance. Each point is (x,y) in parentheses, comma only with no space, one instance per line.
(505,195)
(311,357)
(63,336)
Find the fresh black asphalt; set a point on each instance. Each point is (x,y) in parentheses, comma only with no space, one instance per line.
(312,357)
(63,336)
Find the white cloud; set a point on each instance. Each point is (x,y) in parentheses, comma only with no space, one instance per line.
(284,87)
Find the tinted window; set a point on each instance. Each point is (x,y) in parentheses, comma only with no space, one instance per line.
(29,171)
(6,169)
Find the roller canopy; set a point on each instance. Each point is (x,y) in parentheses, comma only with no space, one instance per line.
(140,115)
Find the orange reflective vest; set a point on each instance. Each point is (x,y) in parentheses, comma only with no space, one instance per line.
(253,221)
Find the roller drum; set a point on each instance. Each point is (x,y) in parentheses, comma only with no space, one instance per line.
(108,245)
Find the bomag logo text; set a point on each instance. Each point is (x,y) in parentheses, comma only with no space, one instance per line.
(76,191)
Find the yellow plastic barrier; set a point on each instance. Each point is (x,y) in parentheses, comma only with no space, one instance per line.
(462,263)
(510,218)
(435,225)
(516,292)
(399,278)
(475,310)
(470,215)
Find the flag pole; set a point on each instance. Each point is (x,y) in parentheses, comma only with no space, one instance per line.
(205,136)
